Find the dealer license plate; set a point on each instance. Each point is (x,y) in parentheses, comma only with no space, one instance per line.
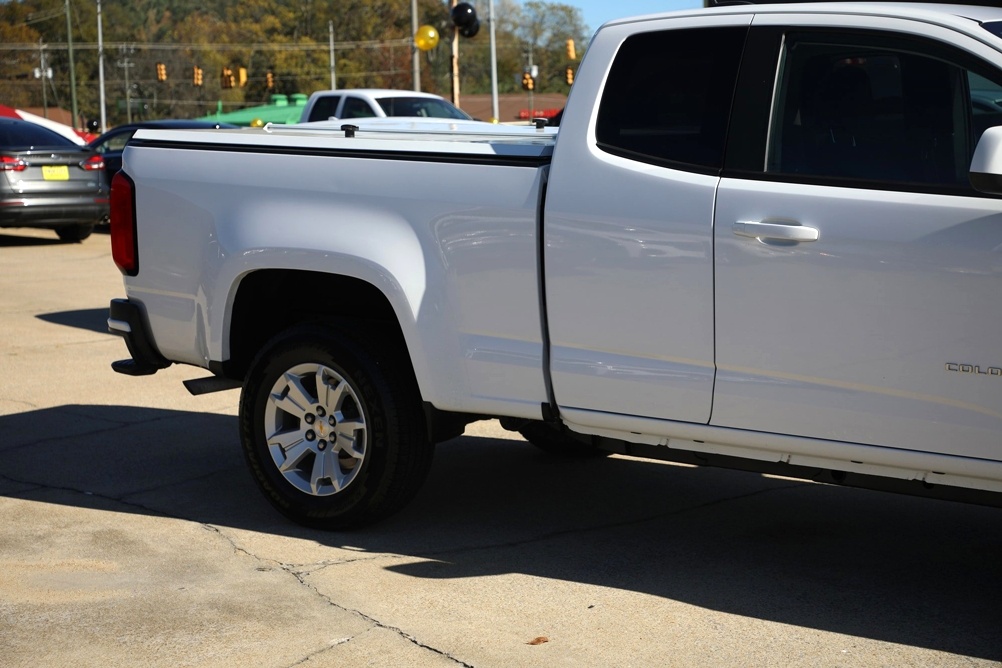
(55,172)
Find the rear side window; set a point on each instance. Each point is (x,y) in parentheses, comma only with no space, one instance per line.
(669,95)
(324,108)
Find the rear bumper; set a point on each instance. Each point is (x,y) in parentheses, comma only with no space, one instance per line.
(52,212)
(128,320)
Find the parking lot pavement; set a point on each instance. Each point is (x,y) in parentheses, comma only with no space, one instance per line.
(133,536)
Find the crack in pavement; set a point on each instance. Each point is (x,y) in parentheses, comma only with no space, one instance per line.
(19,402)
(73,490)
(306,571)
(300,577)
(237,549)
(339,641)
(301,572)
(375,622)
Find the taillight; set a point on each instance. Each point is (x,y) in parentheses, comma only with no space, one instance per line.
(93,163)
(9,164)
(124,247)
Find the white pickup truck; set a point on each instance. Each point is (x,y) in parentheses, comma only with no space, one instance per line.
(766,237)
(347,104)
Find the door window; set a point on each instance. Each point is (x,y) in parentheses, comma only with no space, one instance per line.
(853,109)
(325,108)
(356,108)
(669,97)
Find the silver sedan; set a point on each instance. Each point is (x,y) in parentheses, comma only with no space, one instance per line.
(49,182)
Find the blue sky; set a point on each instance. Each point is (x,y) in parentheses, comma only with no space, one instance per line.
(597,12)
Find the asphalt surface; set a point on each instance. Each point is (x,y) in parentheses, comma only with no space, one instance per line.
(132,535)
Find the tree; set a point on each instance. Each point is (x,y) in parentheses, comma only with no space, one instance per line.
(18,85)
(544,31)
(286,37)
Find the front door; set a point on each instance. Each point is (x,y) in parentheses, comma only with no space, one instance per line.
(859,281)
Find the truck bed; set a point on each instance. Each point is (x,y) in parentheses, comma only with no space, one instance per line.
(454,249)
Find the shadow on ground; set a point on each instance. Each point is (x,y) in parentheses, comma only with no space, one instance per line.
(896,569)
(13,241)
(94,320)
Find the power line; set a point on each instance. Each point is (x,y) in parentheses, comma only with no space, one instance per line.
(266,46)
(39,17)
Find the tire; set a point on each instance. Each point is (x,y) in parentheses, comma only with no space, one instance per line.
(348,454)
(559,440)
(74,233)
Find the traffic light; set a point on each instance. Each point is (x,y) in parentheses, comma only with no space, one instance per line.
(528,83)
(269,80)
(196,76)
(242,76)
(161,72)
(569,75)
(464,17)
(226,78)
(571,53)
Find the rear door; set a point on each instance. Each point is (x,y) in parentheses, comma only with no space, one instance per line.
(858,275)
(628,223)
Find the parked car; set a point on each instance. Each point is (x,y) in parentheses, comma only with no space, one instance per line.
(378,103)
(111,144)
(49,182)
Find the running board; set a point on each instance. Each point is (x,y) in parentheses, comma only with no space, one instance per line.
(210,384)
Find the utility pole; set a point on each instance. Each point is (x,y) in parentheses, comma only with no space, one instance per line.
(415,55)
(455,59)
(126,64)
(330,33)
(42,73)
(494,64)
(100,69)
(73,69)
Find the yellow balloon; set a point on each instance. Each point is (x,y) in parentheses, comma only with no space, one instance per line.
(426,38)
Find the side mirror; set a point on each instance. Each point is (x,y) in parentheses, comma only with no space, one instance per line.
(986,167)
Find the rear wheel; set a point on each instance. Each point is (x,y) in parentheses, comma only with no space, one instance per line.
(74,233)
(332,427)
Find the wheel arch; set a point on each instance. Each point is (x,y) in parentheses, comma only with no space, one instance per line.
(268,301)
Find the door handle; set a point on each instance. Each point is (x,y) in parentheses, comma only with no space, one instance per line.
(775,231)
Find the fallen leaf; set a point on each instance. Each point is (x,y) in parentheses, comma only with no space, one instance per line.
(538,641)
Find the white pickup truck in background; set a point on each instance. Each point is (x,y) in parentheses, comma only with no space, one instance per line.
(767,237)
(347,104)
